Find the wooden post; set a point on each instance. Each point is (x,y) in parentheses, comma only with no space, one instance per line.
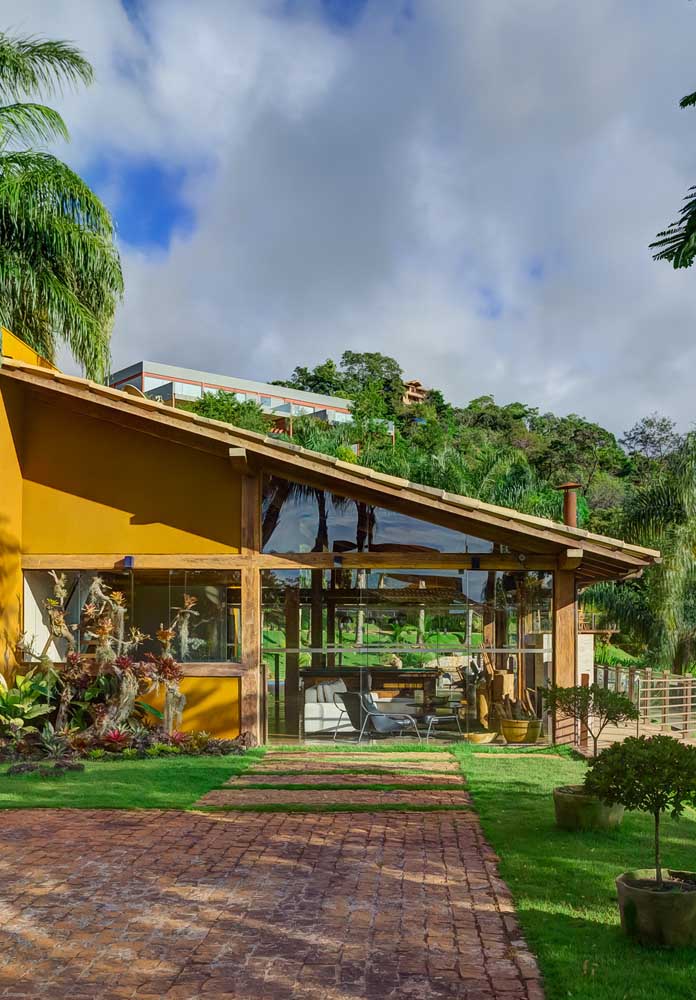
(317,624)
(251,698)
(564,644)
(292,660)
(585,682)
(688,697)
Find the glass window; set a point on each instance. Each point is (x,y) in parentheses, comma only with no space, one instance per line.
(187,389)
(150,383)
(203,606)
(299,518)
(481,639)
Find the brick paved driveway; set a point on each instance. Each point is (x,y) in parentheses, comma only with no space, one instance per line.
(107,904)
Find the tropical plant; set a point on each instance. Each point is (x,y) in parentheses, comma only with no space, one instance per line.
(655,774)
(53,743)
(595,707)
(26,697)
(225,406)
(660,609)
(60,275)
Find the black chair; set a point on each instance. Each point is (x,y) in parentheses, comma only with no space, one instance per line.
(364,714)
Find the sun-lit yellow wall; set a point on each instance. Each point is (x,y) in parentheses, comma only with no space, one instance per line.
(11,414)
(92,486)
(12,347)
(79,485)
(212,704)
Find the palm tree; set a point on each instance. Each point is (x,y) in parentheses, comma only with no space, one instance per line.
(60,274)
(677,243)
(660,609)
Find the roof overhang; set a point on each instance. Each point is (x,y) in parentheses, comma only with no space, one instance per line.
(592,557)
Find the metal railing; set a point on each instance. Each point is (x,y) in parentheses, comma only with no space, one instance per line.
(666,703)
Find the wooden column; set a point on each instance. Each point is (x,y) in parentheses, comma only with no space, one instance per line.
(251,695)
(292,661)
(317,622)
(564,644)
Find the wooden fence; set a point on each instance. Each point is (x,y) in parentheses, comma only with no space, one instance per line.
(666,703)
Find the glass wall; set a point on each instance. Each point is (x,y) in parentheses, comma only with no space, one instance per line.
(471,639)
(299,518)
(208,602)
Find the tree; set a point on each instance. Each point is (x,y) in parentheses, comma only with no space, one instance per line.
(60,274)
(654,437)
(225,406)
(656,775)
(594,707)
(677,243)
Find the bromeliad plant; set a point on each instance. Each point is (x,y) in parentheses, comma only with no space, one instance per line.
(594,707)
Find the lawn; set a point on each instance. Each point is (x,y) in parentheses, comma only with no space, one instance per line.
(162,783)
(563,883)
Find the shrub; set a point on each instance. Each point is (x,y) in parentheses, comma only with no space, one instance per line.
(594,707)
(96,753)
(656,774)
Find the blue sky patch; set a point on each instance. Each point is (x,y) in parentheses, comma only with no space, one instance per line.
(145,199)
(490,303)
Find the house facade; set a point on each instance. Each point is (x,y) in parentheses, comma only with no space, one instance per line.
(171,384)
(308,575)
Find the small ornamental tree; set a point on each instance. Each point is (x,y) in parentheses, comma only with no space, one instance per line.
(656,775)
(594,707)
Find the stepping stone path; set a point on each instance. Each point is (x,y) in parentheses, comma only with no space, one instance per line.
(404,779)
(343,770)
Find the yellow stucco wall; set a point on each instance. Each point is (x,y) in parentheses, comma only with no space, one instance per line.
(12,347)
(92,486)
(212,705)
(11,414)
(79,485)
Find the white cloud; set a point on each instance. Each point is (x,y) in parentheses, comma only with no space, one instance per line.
(381,189)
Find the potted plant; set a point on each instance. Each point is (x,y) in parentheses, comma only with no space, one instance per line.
(593,707)
(657,775)
(518,719)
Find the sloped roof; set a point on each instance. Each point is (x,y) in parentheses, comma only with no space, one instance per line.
(601,558)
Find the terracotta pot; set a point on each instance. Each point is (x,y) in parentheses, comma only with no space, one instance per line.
(666,918)
(577,810)
(521,730)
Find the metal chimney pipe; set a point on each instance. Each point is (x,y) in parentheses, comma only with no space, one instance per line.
(570,503)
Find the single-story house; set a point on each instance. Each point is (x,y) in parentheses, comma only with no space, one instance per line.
(307,575)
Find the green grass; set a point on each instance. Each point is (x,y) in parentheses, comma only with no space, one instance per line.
(563,883)
(162,783)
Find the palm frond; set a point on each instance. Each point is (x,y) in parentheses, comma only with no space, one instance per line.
(33,65)
(677,243)
(30,123)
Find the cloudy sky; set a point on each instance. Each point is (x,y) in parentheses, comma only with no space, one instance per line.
(468,185)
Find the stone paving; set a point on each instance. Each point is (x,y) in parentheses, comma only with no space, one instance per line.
(231,797)
(402,778)
(238,794)
(109,905)
(245,905)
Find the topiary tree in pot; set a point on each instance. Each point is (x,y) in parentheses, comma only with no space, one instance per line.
(595,708)
(656,775)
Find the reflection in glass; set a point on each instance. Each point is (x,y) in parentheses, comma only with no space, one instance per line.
(484,635)
(204,603)
(299,518)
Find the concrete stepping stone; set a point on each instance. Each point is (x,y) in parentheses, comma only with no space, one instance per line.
(249,797)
